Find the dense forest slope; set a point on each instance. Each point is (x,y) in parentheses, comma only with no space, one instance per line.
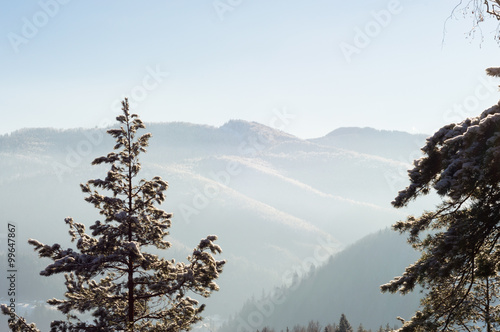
(348,283)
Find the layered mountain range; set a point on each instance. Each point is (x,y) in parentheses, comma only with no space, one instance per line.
(278,203)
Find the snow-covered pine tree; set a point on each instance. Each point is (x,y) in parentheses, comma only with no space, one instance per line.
(110,275)
(459,268)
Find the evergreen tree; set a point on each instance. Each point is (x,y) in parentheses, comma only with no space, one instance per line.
(267,329)
(460,261)
(110,275)
(298,328)
(344,325)
(331,328)
(313,327)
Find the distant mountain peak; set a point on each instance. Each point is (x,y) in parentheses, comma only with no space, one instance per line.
(342,131)
(392,144)
(238,125)
(243,128)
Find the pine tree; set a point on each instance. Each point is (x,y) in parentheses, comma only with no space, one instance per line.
(267,329)
(110,275)
(331,328)
(344,325)
(460,261)
(313,327)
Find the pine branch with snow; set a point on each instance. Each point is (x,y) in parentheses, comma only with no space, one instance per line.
(460,262)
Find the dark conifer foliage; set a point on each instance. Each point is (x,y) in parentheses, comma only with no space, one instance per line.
(344,325)
(459,240)
(110,275)
(315,326)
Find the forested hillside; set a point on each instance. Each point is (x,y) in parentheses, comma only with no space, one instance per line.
(349,283)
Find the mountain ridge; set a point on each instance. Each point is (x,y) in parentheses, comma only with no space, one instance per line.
(233,125)
(244,181)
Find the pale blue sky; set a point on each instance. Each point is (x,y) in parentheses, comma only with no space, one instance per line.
(245,63)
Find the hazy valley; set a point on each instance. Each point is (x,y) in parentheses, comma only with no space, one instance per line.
(279,204)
